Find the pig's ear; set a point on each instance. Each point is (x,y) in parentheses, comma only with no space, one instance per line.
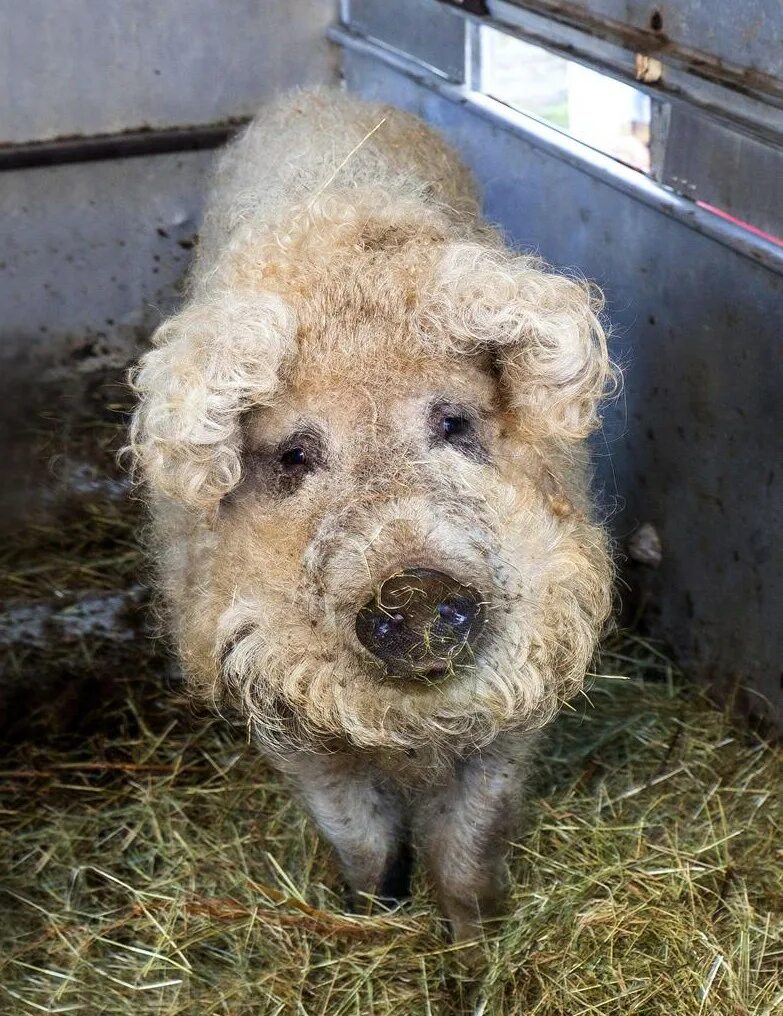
(543,329)
(209,364)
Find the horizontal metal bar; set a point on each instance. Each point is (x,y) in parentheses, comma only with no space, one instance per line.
(679,83)
(128,144)
(631,182)
(644,39)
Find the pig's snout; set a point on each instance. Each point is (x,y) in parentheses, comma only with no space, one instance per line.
(422,622)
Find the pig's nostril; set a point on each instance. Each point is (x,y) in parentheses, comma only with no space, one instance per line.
(458,613)
(386,626)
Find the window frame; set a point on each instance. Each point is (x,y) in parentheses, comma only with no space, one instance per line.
(710,117)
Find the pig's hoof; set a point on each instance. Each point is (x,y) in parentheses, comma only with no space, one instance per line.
(396,885)
(393,890)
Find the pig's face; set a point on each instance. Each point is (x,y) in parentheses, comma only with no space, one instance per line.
(395,544)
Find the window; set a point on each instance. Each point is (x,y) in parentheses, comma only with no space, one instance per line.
(594,108)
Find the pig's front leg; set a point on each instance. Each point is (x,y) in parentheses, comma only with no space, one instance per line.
(463,829)
(361,815)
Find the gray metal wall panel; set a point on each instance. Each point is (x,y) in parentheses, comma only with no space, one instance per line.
(746,34)
(91,257)
(729,170)
(695,444)
(103,66)
(94,248)
(423,29)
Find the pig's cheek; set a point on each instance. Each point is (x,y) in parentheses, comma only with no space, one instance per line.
(332,625)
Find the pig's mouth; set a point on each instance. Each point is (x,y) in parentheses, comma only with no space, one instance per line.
(428,674)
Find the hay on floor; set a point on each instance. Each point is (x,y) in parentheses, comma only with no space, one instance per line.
(164,870)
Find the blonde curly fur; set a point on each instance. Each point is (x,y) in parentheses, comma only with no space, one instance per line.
(343,281)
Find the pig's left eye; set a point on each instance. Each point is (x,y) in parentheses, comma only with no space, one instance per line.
(454,426)
(458,427)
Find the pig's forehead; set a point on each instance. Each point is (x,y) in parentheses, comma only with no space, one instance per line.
(383,356)
(450,378)
(354,393)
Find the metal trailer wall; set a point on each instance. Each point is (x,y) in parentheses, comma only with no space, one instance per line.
(107,111)
(81,67)
(144,77)
(695,444)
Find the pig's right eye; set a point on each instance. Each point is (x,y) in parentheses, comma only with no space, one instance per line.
(280,468)
(293,458)
(297,456)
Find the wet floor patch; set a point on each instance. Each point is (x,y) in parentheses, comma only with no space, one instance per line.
(75,625)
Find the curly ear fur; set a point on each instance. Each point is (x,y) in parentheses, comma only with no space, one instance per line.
(212,361)
(543,329)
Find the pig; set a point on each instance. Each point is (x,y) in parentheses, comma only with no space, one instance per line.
(363,444)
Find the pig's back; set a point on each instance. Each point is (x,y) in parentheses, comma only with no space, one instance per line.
(324,140)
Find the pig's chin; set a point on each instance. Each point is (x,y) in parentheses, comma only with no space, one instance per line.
(449,713)
(304,696)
